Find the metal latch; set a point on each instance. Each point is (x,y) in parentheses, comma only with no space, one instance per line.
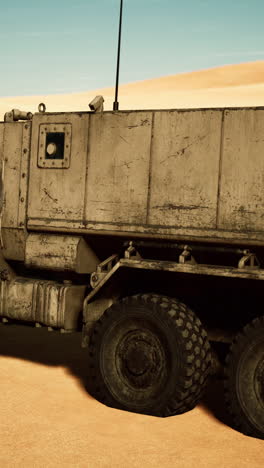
(102,270)
(249,260)
(131,252)
(186,257)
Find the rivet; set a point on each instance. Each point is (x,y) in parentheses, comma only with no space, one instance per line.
(26,127)
(25,150)
(24,175)
(22,199)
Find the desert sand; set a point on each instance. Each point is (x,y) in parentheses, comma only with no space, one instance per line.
(227,86)
(47,417)
(49,420)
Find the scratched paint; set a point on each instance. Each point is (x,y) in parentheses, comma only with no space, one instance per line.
(185,160)
(58,193)
(118,173)
(174,173)
(241,197)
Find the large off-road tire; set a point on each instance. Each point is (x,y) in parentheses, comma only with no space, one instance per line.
(149,354)
(244,379)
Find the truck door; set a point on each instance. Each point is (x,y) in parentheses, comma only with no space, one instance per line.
(57,170)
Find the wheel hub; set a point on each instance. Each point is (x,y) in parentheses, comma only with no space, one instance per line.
(139,358)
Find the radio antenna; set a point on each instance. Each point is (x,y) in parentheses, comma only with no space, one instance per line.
(116,103)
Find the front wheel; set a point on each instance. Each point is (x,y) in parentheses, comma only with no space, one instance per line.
(244,379)
(149,354)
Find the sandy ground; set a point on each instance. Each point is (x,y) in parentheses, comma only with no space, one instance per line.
(228,86)
(49,420)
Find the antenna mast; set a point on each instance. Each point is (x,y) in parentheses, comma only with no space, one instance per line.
(116,103)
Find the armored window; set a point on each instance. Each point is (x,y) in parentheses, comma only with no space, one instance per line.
(54,146)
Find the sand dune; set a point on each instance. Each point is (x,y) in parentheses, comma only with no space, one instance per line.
(227,86)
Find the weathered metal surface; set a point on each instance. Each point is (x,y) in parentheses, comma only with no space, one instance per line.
(12,154)
(185,175)
(211,270)
(1,143)
(47,302)
(243,271)
(15,177)
(118,168)
(24,174)
(57,252)
(1,180)
(241,191)
(193,268)
(184,169)
(14,241)
(184,235)
(102,270)
(168,174)
(16,114)
(58,194)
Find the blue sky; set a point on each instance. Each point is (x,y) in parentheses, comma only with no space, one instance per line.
(64,46)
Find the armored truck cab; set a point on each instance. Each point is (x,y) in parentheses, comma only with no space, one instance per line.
(92,202)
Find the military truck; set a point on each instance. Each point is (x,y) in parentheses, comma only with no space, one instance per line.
(145,230)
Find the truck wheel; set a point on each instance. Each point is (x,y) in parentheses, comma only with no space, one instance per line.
(244,379)
(149,354)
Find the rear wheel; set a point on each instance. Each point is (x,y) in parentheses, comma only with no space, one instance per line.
(149,354)
(244,379)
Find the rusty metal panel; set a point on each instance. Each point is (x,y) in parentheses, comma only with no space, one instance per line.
(24,169)
(118,167)
(1,142)
(58,252)
(47,302)
(184,234)
(196,269)
(154,174)
(1,178)
(184,169)
(12,160)
(14,241)
(241,199)
(15,150)
(58,193)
